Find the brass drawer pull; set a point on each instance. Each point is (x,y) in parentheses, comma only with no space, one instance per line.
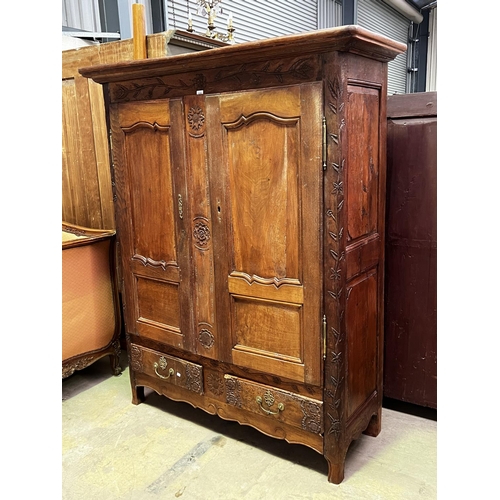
(163,366)
(269,399)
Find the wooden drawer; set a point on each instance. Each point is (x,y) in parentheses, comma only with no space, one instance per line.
(269,402)
(167,368)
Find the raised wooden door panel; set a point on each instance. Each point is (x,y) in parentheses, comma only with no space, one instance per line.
(364,219)
(363,189)
(362,340)
(149,217)
(267,185)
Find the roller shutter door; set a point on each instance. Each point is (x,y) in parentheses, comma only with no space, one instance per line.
(263,18)
(377,16)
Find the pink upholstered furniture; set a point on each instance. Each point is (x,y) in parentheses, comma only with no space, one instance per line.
(90,310)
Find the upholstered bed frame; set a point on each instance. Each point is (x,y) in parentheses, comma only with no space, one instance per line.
(91,321)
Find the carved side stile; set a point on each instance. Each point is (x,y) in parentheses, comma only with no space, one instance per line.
(201,230)
(335,274)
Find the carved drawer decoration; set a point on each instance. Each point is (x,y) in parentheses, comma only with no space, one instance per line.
(287,407)
(167,368)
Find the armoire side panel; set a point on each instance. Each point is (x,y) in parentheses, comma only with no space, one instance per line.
(365,217)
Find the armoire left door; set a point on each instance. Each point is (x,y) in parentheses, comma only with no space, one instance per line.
(149,193)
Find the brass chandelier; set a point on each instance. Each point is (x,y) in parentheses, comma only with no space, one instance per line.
(210,10)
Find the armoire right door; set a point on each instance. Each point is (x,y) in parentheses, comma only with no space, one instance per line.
(265,163)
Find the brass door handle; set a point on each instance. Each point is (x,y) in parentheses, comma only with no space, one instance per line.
(163,366)
(269,398)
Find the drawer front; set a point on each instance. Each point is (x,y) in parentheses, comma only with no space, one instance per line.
(167,368)
(269,402)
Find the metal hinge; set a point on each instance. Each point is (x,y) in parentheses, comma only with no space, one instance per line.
(324,336)
(324,142)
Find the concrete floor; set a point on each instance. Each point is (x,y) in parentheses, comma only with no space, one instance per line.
(112,449)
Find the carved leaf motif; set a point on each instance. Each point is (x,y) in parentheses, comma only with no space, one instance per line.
(334,425)
(335,138)
(338,168)
(334,88)
(199,81)
(334,295)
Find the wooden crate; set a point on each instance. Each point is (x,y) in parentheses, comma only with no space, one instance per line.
(87,198)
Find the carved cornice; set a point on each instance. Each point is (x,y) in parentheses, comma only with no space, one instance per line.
(240,76)
(155,88)
(300,69)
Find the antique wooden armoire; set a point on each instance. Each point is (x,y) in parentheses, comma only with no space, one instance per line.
(250,197)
